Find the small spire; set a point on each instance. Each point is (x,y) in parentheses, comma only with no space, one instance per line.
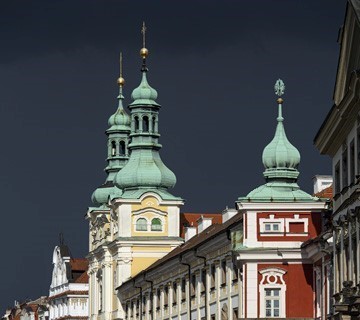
(279,91)
(143,51)
(121,80)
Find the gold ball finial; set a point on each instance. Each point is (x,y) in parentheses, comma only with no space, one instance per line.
(144,52)
(280,100)
(121,81)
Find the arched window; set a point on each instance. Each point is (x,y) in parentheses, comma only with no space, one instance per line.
(136,123)
(153,124)
(141,224)
(156,224)
(122,148)
(113,148)
(145,124)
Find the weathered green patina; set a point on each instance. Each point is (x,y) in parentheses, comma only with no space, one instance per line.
(281,160)
(145,170)
(118,155)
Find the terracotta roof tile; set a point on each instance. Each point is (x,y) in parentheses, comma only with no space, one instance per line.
(84,278)
(326,193)
(79,264)
(190,219)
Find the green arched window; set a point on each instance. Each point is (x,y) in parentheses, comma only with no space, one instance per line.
(156,224)
(141,224)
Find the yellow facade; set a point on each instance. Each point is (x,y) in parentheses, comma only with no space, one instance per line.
(141,263)
(149,209)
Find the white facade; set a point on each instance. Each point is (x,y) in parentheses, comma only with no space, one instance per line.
(68,295)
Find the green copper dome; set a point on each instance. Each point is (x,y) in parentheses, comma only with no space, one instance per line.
(280,157)
(145,171)
(281,160)
(118,155)
(102,194)
(144,94)
(120,119)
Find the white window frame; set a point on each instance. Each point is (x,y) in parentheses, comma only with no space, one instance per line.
(297,219)
(271,220)
(272,278)
(147,224)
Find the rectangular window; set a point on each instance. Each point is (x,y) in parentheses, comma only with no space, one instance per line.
(223,272)
(272,227)
(272,303)
(352,161)
(193,285)
(344,170)
(174,293)
(203,280)
(212,282)
(337,177)
(166,296)
(183,289)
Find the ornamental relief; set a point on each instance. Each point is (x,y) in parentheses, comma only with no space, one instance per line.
(99,229)
(114,221)
(272,276)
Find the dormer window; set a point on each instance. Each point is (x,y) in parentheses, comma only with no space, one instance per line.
(156,224)
(141,224)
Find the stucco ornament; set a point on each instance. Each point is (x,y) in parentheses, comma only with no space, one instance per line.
(279,88)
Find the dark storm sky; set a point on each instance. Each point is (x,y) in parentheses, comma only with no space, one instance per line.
(214,64)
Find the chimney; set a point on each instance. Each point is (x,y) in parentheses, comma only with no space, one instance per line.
(227,214)
(321,182)
(203,223)
(189,232)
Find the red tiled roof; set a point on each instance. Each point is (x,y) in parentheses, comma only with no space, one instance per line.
(65,293)
(84,278)
(190,219)
(326,193)
(79,264)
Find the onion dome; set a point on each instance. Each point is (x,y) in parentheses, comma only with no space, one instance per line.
(144,94)
(281,160)
(145,171)
(120,119)
(280,157)
(118,141)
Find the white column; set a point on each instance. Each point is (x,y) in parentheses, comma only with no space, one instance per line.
(170,298)
(217,288)
(107,287)
(229,276)
(197,299)
(207,291)
(154,304)
(252,289)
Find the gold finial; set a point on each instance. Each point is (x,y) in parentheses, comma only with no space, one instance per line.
(279,100)
(143,51)
(121,80)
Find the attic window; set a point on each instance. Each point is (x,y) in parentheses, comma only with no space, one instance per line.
(141,224)
(156,224)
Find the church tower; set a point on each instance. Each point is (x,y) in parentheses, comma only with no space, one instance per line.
(148,214)
(136,220)
(278,218)
(102,226)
